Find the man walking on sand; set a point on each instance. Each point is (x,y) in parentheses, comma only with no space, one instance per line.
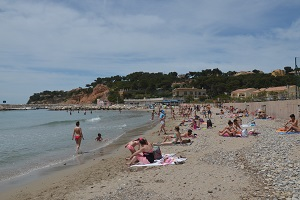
(77,134)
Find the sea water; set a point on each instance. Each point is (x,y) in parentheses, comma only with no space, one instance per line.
(35,139)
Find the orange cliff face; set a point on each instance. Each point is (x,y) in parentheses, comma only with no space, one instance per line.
(99,92)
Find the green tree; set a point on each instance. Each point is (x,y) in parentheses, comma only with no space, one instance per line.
(287,69)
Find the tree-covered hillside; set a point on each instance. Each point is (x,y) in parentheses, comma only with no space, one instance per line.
(151,85)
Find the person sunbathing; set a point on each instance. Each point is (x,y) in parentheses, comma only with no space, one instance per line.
(289,124)
(293,124)
(131,146)
(187,134)
(194,124)
(238,129)
(228,130)
(172,139)
(144,155)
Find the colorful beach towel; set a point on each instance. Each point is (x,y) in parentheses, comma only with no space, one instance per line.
(287,133)
(167,159)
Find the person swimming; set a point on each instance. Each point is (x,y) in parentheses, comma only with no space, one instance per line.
(99,137)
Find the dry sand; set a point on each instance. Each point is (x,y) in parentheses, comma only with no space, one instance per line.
(200,177)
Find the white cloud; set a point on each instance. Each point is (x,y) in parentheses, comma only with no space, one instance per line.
(106,38)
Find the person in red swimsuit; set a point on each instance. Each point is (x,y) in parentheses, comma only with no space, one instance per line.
(77,134)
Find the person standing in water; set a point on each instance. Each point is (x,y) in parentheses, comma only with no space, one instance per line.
(77,134)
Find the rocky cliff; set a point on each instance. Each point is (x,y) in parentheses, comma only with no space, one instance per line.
(99,92)
(75,96)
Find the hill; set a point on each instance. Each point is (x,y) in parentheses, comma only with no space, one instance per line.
(75,96)
(139,85)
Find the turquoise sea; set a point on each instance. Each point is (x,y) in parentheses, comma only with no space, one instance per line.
(37,139)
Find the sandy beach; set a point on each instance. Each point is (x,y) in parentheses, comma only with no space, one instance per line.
(265,166)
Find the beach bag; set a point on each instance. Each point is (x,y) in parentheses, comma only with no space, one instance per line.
(208,123)
(157,153)
(244,133)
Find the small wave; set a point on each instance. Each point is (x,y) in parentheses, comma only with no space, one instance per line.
(18,173)
(94,119)
(122,126)
(53,123)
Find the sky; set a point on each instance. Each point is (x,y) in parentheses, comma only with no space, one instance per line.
(66,44)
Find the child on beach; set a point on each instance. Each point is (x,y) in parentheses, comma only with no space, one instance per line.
(131,146)
(99,137)
(144,155)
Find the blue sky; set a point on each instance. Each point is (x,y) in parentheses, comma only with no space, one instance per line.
(65,44)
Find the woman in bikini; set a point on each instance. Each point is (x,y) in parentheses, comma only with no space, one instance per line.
(187,134)
(77,134)
(144,155)
(293,124)
(238,128)
(228,130)
(172,139)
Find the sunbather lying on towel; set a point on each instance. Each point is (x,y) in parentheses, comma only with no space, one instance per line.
(187,134)
(169,140)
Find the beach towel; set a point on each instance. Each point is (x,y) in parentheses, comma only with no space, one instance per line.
(178,143)
(287,133)
(247,125)
(167,159)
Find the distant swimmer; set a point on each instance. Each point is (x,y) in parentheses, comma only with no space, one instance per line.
(77,134)
(99,137)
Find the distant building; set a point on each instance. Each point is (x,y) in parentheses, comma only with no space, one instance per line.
(194,92)
(271,93)
(243,93)
(151,101)
(282,92)
(243,73)
(102,103)
(278,72)
(180,84)
(246,73)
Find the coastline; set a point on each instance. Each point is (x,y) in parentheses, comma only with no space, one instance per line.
(216,168)
(37,177)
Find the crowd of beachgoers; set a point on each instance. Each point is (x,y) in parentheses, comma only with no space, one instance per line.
(193,152)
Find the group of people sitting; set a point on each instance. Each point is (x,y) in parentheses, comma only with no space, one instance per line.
(144,152)
(176,138)
(233,129)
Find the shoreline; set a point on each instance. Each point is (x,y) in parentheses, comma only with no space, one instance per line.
(216,168)
(81,159)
